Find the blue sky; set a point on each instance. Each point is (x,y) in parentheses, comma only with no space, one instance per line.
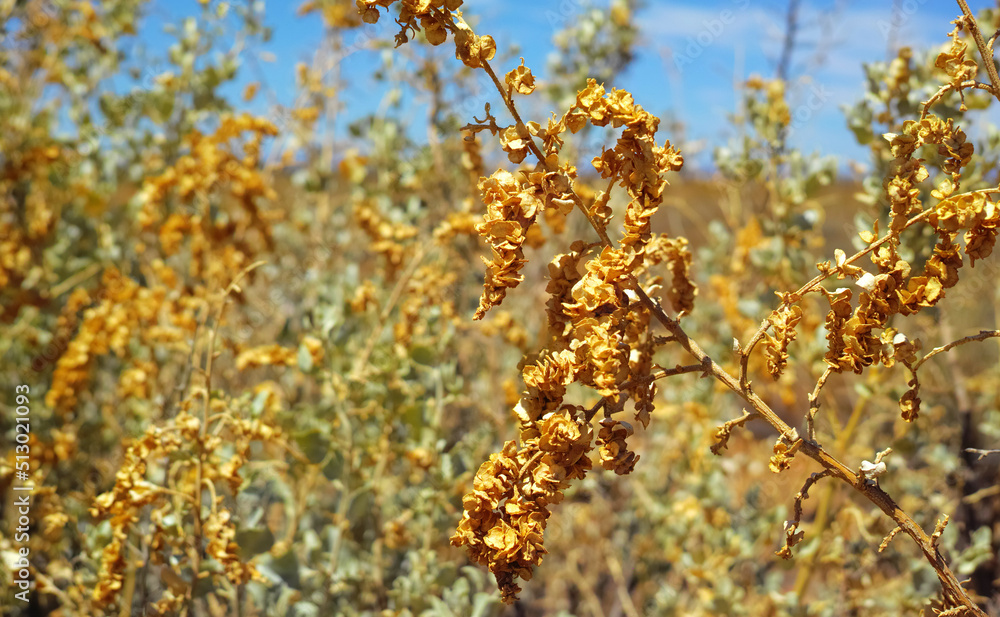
(689,56)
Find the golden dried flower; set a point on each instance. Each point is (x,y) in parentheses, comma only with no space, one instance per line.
(614,451)
(511,210)
(909,403)
(955,62)
(520,80)
(675,252)
(783,453)
(504,516)
(783,322)
(265,355)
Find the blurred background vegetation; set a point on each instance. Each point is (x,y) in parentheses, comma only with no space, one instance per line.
(256,388)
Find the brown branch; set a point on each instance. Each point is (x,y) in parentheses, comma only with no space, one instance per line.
(982,453)
(636,381)
(945,89)
(788,44)
(986,51)
(792,535)
(952,587)
(982,336)
(950,583)
(814,403)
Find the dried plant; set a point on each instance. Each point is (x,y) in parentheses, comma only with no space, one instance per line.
(600,320)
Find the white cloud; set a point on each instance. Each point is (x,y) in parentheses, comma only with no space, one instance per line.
(844,38)
(734,20)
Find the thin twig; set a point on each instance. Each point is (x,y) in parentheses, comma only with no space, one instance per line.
(637,381)
(814,403)
(986,51)
(723,433)
(981,453)
(397,291)
(792,534)
(202,433)
(945,89)
(75,279)
(822,517)
(885,542)
(621,585)
(982,336)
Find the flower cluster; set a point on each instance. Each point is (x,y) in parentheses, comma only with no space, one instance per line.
(192,455)
(125,310)
(675,253)
(636,163)
(955,62)
(221,170)
(853,336)
(29,214)
(429,285)
(783,322)
(386,236)
(511,208)
(122,504)
(598,318)
(270,355)
(973,212)
(505,514)
(615,453)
